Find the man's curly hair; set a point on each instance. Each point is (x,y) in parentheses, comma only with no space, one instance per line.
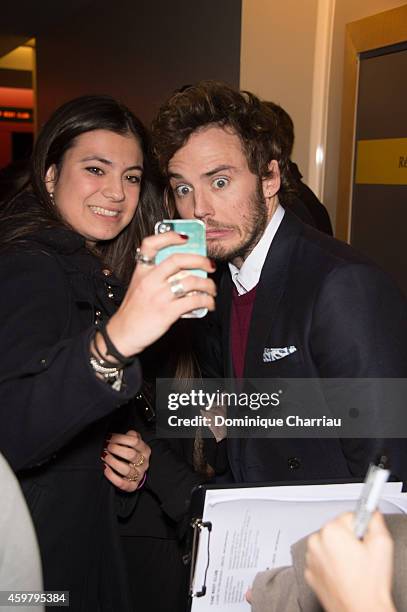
(214,103)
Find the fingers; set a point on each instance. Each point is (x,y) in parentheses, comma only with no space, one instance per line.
(178,261)
(125,445)
(124,453)
(119,482)
(191,282)
(174,264)
(378,535)
(377,526)
(131,438)
(152,244)
(126,458)
(345,520)
(122,467)
(191,302)
(184,261)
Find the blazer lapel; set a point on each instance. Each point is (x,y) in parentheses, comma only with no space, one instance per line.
(270,291)
(224,304)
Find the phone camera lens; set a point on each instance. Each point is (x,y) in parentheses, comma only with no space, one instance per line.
(164,227)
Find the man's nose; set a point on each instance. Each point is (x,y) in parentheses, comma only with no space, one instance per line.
(113,189)
(203,206)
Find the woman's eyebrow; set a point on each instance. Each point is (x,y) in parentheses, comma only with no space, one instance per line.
(102,160)
(97,158)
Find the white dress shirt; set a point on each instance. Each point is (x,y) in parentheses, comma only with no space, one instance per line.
(247,277)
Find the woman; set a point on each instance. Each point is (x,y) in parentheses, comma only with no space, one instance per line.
(71,336)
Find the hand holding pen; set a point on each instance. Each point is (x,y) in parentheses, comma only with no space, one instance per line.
(348,573)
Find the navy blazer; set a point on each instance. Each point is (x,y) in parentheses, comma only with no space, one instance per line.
(346,319)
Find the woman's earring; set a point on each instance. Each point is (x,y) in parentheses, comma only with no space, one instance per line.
(51,195)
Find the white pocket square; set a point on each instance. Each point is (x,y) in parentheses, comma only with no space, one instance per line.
(272,354)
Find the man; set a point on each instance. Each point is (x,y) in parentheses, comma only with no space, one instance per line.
(292,302)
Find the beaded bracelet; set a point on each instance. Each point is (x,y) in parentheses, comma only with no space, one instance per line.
(112,376)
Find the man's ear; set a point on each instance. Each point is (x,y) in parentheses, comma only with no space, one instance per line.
(271,184)
(51,179)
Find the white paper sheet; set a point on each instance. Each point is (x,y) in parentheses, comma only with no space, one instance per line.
(254,528)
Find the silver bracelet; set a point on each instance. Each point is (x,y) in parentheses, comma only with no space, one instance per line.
(113,375)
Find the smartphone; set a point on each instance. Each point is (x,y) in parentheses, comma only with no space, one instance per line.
(196,244)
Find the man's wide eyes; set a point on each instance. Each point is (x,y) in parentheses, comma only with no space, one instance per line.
(182,190)
(220,182)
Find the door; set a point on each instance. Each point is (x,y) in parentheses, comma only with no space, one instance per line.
(379,195)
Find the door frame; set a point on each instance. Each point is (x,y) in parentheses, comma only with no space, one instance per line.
(381,30)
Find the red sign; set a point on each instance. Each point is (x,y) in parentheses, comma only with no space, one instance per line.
(24,115)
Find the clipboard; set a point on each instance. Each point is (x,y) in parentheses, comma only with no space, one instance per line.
(201,535)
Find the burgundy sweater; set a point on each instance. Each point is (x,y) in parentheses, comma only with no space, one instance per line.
(242,307)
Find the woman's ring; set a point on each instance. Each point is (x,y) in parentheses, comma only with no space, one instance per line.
(139,461)
(177,288)
(144,259)
(133,475)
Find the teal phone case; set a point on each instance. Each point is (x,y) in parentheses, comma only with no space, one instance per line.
(195,230)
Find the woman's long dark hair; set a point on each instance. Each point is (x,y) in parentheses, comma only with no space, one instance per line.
(81,115)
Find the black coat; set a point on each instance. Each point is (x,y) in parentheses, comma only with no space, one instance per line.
(55,413)
(154,529)
(345,317)
(306,199)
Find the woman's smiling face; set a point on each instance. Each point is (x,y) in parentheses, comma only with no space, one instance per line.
(98,186)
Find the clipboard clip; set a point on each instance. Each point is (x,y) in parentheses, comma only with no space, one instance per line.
(198,525)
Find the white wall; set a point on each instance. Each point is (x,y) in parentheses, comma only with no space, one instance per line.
(277,56)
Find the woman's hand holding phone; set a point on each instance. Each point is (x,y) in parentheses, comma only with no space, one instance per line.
(154,300)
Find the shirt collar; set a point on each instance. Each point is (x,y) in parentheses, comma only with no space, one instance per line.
(247,277)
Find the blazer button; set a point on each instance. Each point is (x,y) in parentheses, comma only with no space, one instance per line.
(294,463)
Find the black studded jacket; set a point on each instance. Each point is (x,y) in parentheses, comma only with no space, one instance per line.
(55,413)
